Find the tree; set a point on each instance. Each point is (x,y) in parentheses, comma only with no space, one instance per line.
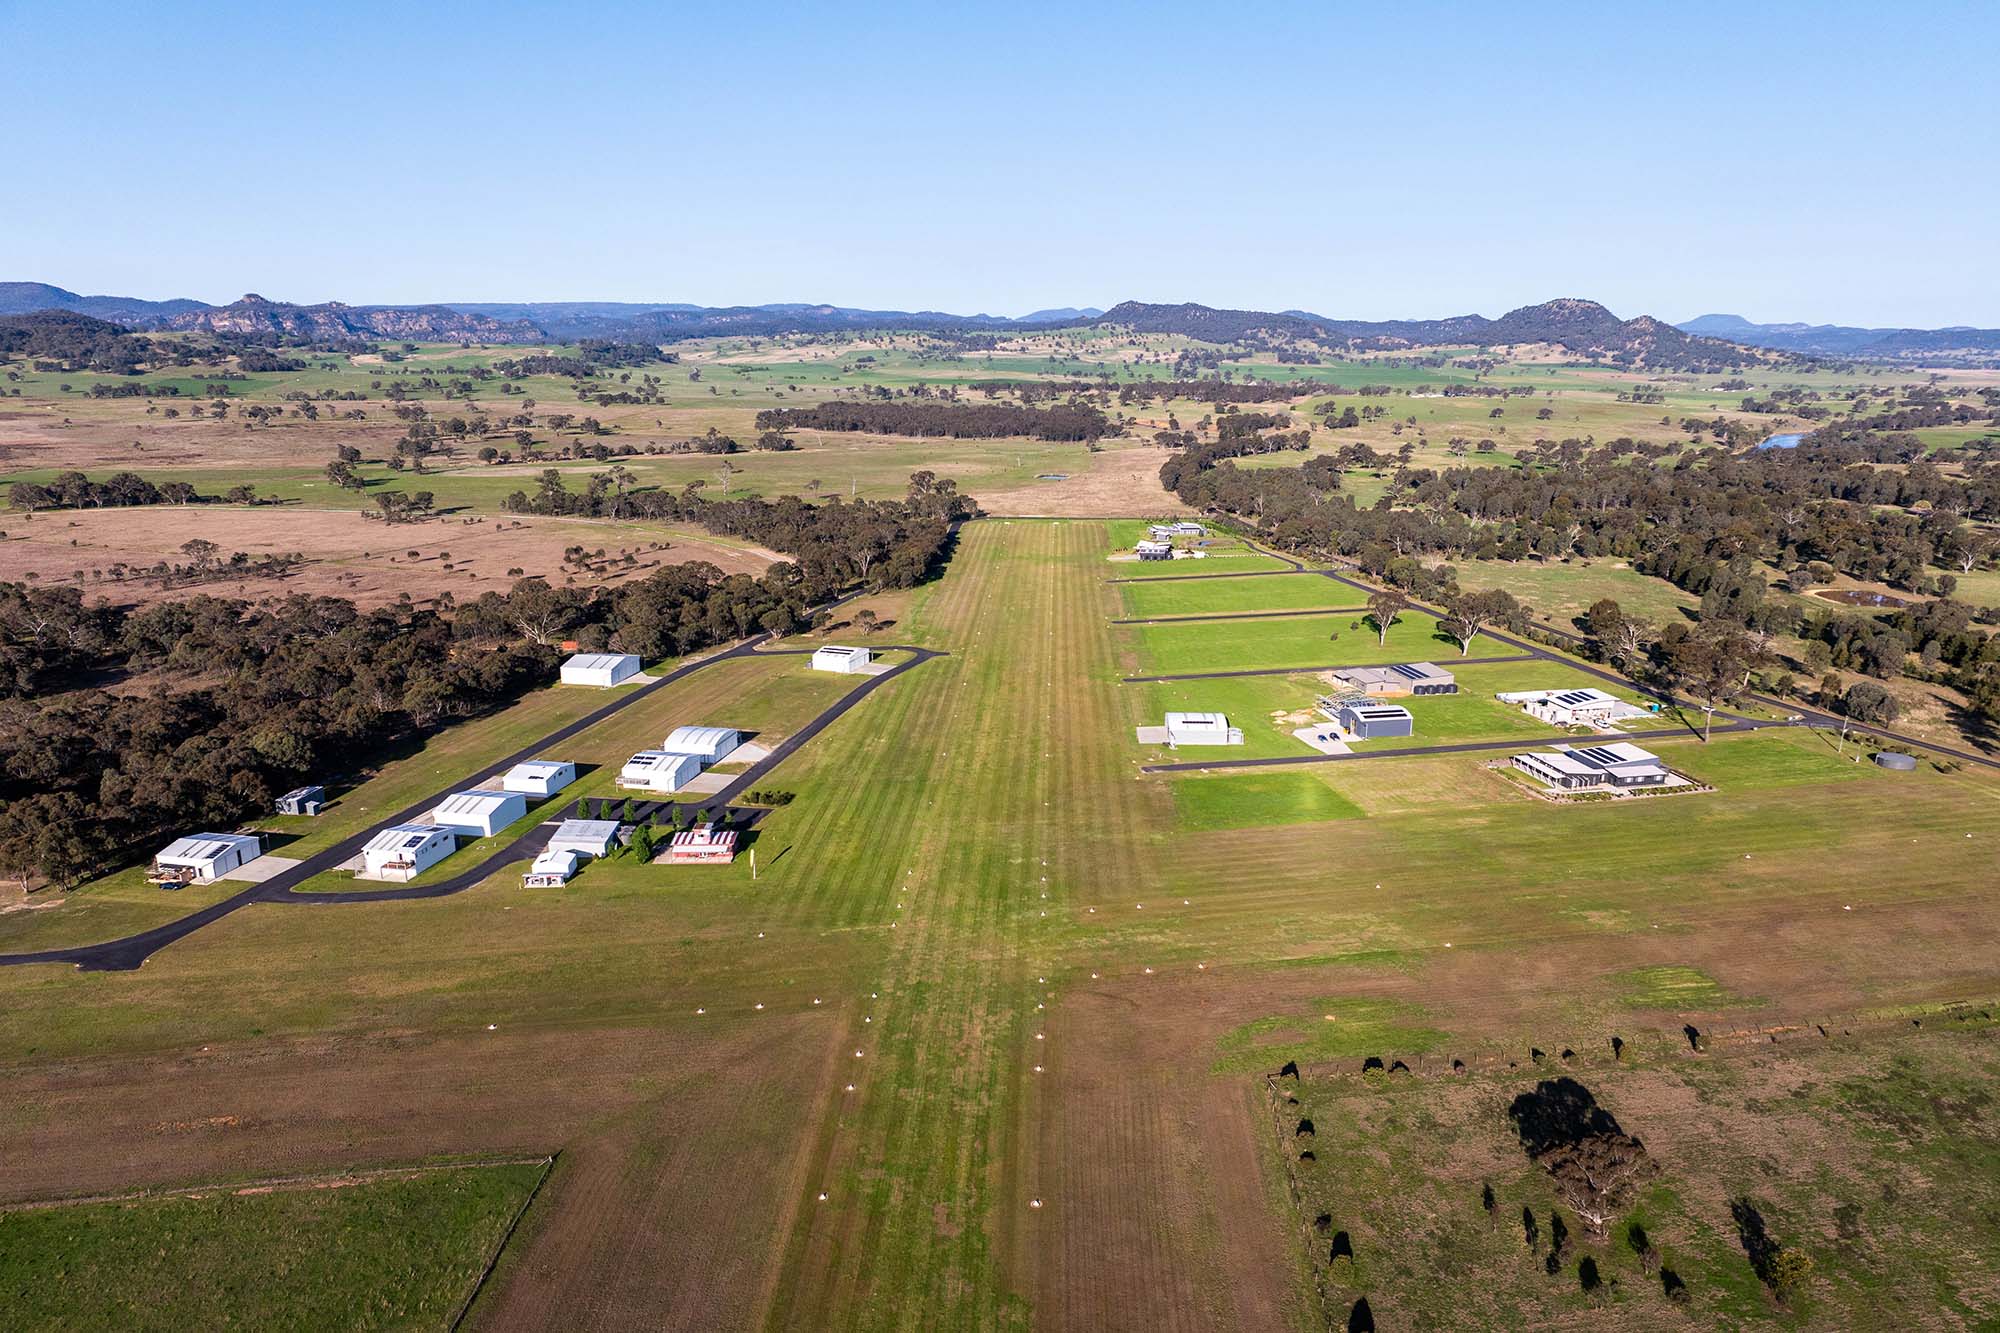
(642,841)
(1469,613)
(1865,701)
(1715,665)
(1385,607)
(1621,639)
(867,620)
(241,495)
(1594,1164)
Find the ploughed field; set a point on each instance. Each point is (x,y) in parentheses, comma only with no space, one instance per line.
(1019,1001)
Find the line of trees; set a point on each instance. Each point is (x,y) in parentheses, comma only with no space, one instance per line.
(1071,421)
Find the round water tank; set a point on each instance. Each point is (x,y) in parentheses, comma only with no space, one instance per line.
(1899,763)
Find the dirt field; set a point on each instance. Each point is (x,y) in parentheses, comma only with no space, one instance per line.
(347,555)
(1119,482)
(689,1101)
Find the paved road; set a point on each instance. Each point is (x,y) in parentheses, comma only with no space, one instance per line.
(1244,615)
(132,951)
(1460,747)
(1307,670)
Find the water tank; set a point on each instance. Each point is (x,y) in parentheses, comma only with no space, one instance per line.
(1896,763)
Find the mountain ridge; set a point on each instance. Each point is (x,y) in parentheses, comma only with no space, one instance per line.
(1958,342)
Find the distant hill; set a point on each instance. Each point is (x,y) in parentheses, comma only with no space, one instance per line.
(334,322)
(21,298)
(1928,346)
(1582,327)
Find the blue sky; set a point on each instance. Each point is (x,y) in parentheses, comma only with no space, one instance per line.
(1823,162)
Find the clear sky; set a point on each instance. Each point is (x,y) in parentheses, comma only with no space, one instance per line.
(1826,162)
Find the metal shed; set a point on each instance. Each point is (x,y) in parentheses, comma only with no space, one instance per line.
(538,777)
(585,837)
(480,813)
(302,801)
(600,668)
(404,851)
(1373,721)
(707,744)
(659,770)
(202,857)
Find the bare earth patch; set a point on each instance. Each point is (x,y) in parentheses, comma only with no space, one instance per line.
(348,556)
(1120,483)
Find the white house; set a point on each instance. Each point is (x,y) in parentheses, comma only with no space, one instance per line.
(1583,707)
(1154,550)
(659,770)
(551,870)
(707,744)
(1618,765)
(404,851)
(600,669)
(202,857)
(480,813)
(538,777)
(1202,729)
(845,660)
(585,837)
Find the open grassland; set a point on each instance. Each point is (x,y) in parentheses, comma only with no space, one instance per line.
(1341,639)
(1193,597)
(1258,799)
(1560,593)
(403,1251)
(1046,978)
(1875,1158)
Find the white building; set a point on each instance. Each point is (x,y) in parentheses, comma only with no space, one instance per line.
(302,801)
(1154,550)
(202,857)
(600,669)
(480,813)
(538,777)
(1202,729)
(404,851)
(551,870)
(585,837)
(703,844)
(1618,765)
(1583,707)
(659,770)
(707,744)
(845,660)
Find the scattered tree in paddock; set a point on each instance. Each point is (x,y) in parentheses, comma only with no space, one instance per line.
(1385,608)
(1595,1165)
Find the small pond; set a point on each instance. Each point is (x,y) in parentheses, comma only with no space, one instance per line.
(1861,597)
(1790,441)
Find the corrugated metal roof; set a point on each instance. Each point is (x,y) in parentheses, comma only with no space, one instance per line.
(206,846)
(700,740)
(404,837)
(601,661)
(478,802)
